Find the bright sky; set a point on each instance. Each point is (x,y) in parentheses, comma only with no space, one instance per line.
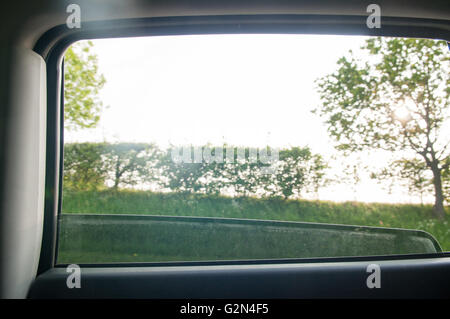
(250,90)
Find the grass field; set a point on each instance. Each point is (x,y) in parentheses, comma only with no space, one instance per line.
(415,217)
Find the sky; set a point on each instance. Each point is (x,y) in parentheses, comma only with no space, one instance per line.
(248,90)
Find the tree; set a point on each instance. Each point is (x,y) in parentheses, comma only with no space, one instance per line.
(290,177)
(316,174)
(129,164)
(82,83)
(242,172)
(182,176)
(244,175)
(396,100)
(88,166)
(83,166)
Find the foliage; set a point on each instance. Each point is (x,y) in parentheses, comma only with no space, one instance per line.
(246,174)
(83,166)
(125,165)
(130,163)
(297,170)
(82,82)
(396,100)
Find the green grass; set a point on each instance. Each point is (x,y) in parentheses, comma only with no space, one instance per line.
(146,203)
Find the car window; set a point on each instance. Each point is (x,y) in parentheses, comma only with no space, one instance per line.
(254,147)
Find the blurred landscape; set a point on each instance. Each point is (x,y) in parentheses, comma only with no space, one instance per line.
(270,132)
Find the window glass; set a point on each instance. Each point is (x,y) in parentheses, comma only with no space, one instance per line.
(244,147)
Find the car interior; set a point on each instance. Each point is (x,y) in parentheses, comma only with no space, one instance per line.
(39,243)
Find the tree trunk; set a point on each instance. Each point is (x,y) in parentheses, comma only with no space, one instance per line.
(117,176)
(438,208)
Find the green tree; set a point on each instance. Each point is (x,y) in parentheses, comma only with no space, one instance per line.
(129,164)
(316,176)
(297,171)
(291,175)
(84,168)
(397,100)
(241,172)
(82,82)
(183,175)
(244,174)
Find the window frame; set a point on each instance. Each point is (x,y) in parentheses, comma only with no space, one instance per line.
(52,45)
